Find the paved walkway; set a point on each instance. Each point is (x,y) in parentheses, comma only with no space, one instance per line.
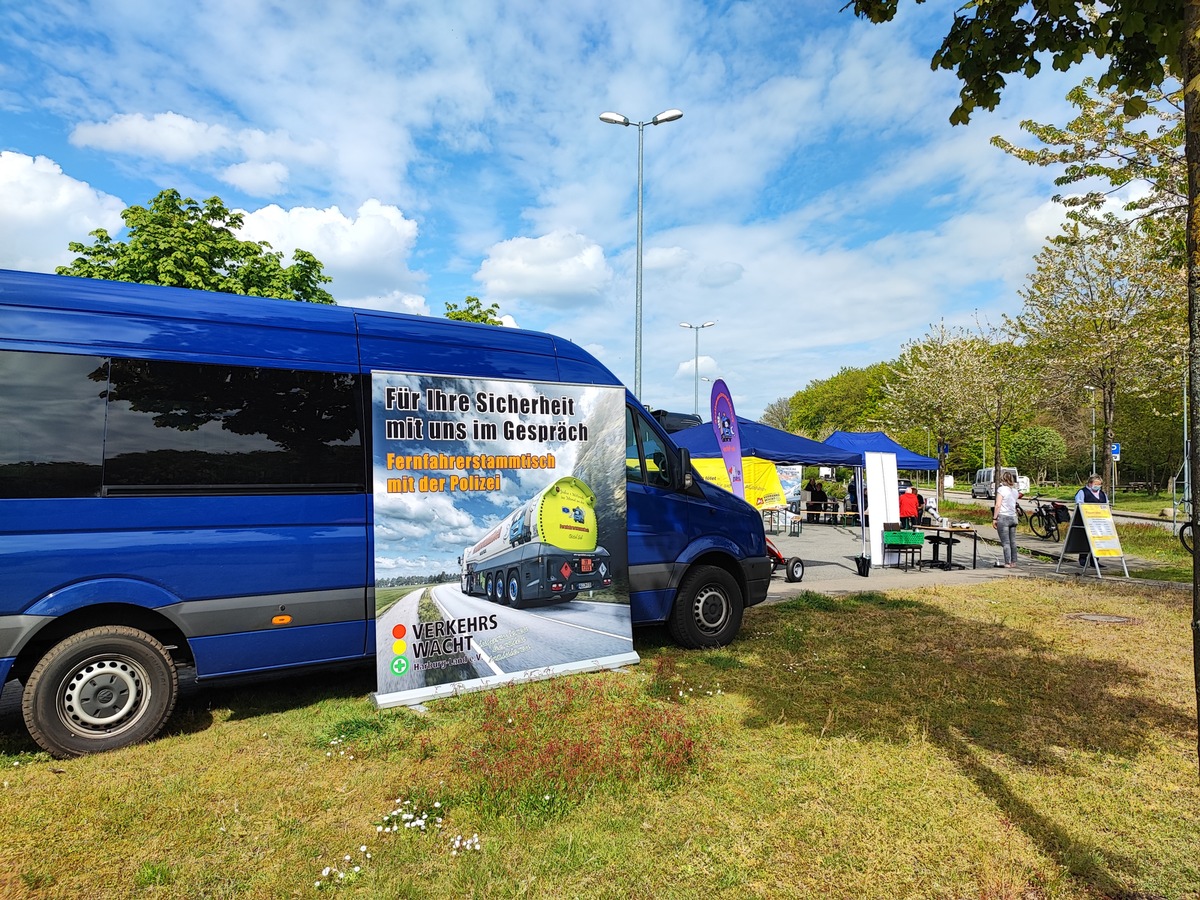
(829,553)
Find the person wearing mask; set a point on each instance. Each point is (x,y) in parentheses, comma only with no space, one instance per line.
(1004,518)
(1091,492)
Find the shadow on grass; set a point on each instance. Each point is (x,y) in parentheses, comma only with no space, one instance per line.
(245,697)
(255,695)
(879,668)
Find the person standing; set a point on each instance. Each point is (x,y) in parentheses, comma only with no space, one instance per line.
(1091,492)
(908,508)
(1004,517)
(820,501)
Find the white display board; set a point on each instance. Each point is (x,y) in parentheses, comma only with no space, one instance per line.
(883,502)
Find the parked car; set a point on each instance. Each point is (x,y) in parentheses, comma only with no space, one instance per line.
(984,485)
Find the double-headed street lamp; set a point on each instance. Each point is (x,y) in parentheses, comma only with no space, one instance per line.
(696,328)
(614,118)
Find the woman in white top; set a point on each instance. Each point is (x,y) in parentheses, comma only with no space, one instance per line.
(1004,517)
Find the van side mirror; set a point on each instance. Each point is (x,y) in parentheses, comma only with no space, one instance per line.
(685,468)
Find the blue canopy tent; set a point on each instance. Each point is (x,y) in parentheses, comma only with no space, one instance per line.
(771,444)
(877,442)
(767,443)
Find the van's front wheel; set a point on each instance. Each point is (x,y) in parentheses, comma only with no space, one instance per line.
(708,609)
(98,690)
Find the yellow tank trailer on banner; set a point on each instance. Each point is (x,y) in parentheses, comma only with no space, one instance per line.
(545,549)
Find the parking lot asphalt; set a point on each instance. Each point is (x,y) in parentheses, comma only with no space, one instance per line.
(829,553)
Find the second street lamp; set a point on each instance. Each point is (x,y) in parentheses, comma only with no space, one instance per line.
(696,328)
(614,118)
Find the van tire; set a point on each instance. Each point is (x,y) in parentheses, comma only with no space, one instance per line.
(707,610)
(98,690)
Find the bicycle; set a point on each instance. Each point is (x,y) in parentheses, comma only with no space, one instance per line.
(1043,521)
(1185,530)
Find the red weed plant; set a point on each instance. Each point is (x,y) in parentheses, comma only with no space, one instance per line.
(543,748)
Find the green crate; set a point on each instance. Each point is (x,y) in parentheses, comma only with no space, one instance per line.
(903,538)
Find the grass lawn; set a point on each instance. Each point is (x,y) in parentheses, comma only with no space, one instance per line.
(978,742)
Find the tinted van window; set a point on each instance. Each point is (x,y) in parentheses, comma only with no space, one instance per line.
(178,425)
(51,424)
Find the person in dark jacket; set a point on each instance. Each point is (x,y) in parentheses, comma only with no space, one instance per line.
(1091,492)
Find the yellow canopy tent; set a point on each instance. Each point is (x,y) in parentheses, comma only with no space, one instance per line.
(759,480)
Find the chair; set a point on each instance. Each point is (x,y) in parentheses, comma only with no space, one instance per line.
(907,545)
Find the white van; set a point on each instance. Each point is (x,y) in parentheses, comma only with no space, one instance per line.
(985,482)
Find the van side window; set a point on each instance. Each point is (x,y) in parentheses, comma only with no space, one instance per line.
(51,424)
(653,462)
(186,426)
(87,426)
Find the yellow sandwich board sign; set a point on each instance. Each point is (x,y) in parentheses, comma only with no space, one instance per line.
(1093,534)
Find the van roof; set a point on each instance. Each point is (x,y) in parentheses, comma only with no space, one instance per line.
(59,313)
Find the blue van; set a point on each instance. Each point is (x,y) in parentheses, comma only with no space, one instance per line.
(135,540)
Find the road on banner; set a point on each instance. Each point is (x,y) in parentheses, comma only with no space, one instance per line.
(555,634)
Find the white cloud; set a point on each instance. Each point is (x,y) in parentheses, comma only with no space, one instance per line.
(687,368)
(665,258)
(396,301)
(366,254)
(813,199)
(556,266)
(257,179)
(167,136)
(44,209)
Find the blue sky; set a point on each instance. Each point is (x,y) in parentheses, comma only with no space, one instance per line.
(813,200)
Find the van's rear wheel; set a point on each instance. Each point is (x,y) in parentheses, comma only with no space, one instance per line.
(98,690)
(708,609)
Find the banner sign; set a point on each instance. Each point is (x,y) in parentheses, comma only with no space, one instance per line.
(501,550)
(724,422)
(1093,532)
(759,478)
(1101,530)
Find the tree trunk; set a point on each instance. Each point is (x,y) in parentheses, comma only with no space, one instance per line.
(1190,55)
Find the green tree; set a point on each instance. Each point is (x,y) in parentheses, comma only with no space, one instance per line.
(473,310)
(1035,449)
(961,385)
(181,243)
(1143,41)
(1142,157)
(1102,310)
(776,414)
(847,401)
(926,386)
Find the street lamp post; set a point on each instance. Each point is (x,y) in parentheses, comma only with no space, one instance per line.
(1093,390)
(614,118)
(696,328)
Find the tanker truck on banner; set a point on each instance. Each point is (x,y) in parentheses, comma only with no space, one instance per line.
(545,549)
